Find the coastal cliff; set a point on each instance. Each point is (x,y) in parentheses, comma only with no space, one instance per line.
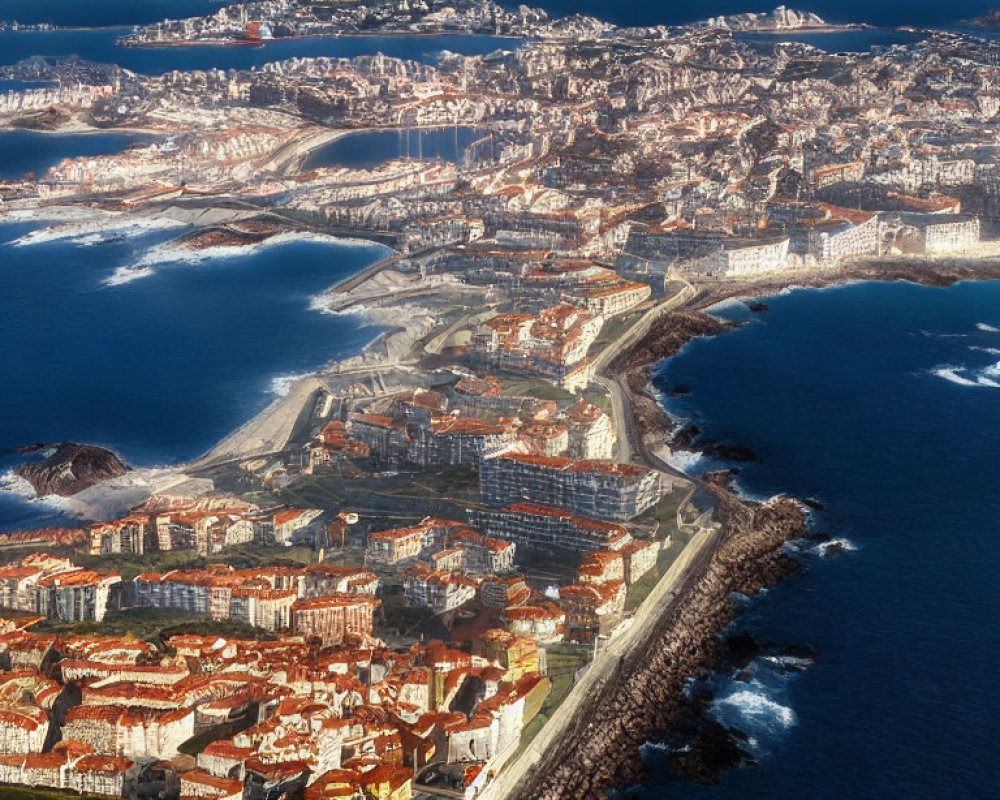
(645,695)
(71,469)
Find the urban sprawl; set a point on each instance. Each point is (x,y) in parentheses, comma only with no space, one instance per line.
(388,582)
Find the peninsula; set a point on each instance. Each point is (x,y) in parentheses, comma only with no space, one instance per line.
(463,562)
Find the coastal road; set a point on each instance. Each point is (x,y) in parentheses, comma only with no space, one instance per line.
(628,445)
(571,718)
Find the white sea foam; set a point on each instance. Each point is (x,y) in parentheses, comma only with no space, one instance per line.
(845,544)
(993,351)
(753,705)
(952,374)
(983,326)
(984,377)
(282,384)
(124,275)
(789,662)
(685,460)
(95,229)
(171,253)
(11,482)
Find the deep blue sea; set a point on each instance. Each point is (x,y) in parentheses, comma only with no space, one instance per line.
(33,151)
(883,401)
(161,367)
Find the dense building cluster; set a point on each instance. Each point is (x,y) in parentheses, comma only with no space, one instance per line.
(470,471)
(357,719)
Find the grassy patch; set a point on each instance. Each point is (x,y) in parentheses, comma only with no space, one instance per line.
(563,663)
(38,793)
(613,330)
(154,625)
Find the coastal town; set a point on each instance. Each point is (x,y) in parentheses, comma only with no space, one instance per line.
(455,564)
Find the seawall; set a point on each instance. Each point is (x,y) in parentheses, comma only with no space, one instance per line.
(599,748)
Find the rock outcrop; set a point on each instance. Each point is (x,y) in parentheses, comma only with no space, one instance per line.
(71,469)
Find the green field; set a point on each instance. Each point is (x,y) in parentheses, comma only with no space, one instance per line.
(154,625)
(33,793)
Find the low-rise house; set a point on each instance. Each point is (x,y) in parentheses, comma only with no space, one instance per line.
(507,591)
(545,622)
(592,606)
(33,769)
(334,446)
(224,759)
(292,520)
(130,731)
(640,557)
(99,774)
(614,298)
(451,559)
(25,727)
(327,579)
(604,566)
(336,618)
(591,435)
(399,545)
(544,438)
(440,591)
(485,554)
(395,546)
(199,783)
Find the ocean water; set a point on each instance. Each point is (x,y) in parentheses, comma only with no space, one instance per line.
(365,149)
(162,366)
(32,151)
(103,13)
(882,401)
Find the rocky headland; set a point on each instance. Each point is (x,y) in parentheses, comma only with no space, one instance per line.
(71,469)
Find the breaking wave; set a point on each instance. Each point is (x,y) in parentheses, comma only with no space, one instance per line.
(14,484)
(11,482)
(172,253)
(987,328)
(984,377)
(282,384)
(95,231)
(686,460)
(755,709)
(124,275)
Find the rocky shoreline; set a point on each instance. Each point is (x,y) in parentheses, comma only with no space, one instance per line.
(72,468)
(243,234)
(646,695)
(646,698)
